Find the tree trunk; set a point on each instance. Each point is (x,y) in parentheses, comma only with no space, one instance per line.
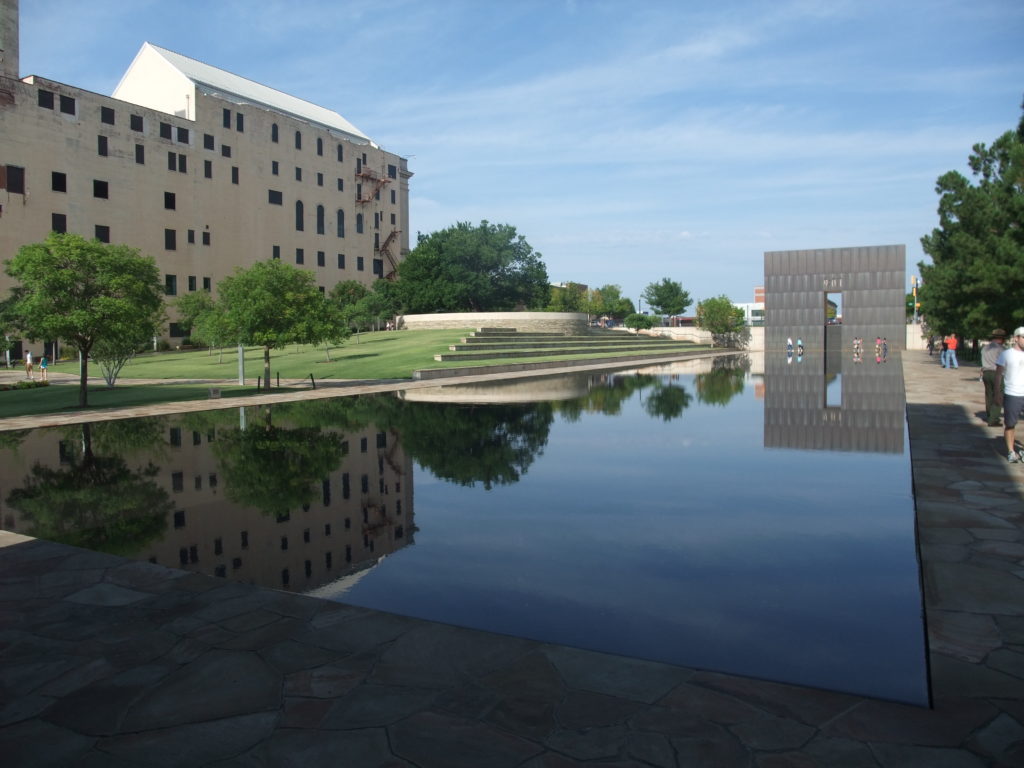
(83,384)
(266,367)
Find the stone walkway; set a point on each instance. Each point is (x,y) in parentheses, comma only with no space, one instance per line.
(107,662)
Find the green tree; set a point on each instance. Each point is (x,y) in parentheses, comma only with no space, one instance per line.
(608,301)
(466,268)
(638,322)
(667,297)
(191,306)
(976,277)
(272,304)
(721,317)
(571,297)
(83,292)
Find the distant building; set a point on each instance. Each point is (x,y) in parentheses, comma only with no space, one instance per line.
(199,168)
(753,312)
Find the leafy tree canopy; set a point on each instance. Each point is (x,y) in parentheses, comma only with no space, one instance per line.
(272,304)
(571,297)
(976,278)
(608,300)
(83,292)
(720,316)
(638,322)
(466,268)
(667,297)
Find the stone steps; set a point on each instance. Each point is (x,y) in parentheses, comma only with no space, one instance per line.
(491,344)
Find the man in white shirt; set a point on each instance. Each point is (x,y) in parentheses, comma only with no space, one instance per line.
(1010,391)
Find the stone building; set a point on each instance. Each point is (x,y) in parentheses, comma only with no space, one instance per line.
(199,168)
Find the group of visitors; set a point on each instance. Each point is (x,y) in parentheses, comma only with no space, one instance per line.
(44,365)
(948,355)
(1002,372)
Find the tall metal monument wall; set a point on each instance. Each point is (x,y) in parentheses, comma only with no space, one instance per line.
(871,279)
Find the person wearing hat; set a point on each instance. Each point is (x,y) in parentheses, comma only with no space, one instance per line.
(989,354)
(1010,391)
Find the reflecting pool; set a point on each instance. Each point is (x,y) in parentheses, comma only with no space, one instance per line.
(700,514)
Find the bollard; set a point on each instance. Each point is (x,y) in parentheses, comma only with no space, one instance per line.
(312,381)
(278,379)
(259,383)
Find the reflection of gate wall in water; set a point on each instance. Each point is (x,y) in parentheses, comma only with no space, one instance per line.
(872,281)
(871,418)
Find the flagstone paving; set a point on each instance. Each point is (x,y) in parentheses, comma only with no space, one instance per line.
(108,662)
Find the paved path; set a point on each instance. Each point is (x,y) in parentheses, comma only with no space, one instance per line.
(106,662)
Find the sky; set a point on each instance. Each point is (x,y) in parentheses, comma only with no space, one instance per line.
(626,140)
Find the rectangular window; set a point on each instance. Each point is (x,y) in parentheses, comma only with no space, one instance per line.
(239,122)
(172,161)
(298,174)
(182,135)
(59,222)
(13,180)
(208,168)
(140,154)
(393,197)
(359,263)
(341,153)
(227,118)
(174,437)
(165,130)
(67,105)
(207,284)
(102,233)
(170,239)
(191,282)
(393,219)
(300,256)
(178,484)
(276,252)
(206,238)
(321,259)
(100,189)
(207,141)
(274,197)
(107,115)
(182,167)
(274,167)
(319,179)
(234,174)
(175,330)
(58,181)
(341,185)
(225,150)
(135,123)
(45,99)
(171,285)
(191,236)
(392,172)
(378,267)
(169,201)
(341,261)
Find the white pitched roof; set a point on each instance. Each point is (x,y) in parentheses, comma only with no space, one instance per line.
(228,84)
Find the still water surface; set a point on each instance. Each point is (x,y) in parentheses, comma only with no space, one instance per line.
(754,524)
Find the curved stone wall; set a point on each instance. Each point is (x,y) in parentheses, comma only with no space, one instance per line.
(568,323)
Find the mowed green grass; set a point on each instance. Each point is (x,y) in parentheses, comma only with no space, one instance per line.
(190,373)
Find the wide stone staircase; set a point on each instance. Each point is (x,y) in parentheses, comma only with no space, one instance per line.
(499,344)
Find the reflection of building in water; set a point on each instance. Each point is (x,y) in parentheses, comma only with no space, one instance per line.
(362,511)
(870,416)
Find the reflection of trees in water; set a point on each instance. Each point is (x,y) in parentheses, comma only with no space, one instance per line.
(667,401)
(720,385)
(492,444)
(98,502)
(275,469)
(662,398)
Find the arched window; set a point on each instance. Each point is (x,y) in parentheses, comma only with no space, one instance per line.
(319,145)
(359,223)
(273,133)
(341,223)
(320,220)
(298,139)
(299,211)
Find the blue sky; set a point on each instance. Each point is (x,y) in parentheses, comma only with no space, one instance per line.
(627,141)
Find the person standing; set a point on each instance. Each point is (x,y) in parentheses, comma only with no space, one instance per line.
(989,354)
(28,365)
(1010,391)
(43,365)
(951,344)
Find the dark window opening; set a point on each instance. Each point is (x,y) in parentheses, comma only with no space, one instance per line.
(100,189)
(107,115)
(102,233)
(300,256)
(45,99)
(171,284)
(182,135)
(275,197)
(67,105)
(101,146)
(169,201)
(59,222)
(58,181)
(135,122)
(165,130)
(140,154)
(208,141)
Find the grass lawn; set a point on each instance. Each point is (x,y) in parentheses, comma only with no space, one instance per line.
(381,355)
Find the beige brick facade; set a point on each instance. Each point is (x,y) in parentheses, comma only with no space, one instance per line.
(221,181)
